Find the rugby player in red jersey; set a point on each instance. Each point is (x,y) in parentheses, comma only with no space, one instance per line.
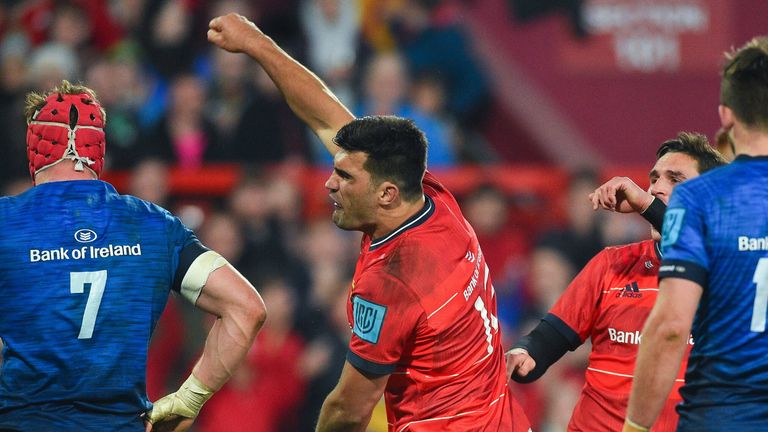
(611,297)
(422,307)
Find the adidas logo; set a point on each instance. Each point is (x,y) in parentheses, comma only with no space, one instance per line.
(631,290)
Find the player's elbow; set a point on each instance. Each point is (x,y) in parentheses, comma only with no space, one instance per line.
(669,330)
(247,314)
(255,313)
(353,411)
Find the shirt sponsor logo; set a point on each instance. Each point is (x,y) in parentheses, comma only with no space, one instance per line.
(631,290)
(369,319)
(84,252)
(753,243)
(473,280)
(630,337)
(625,337)
(85,235)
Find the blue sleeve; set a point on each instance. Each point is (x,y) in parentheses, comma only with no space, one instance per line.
(683,238)
(186,248)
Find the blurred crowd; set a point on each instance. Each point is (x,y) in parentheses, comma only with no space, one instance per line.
(171,95)
(174,101)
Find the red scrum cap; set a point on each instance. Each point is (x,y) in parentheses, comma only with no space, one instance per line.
(67,126)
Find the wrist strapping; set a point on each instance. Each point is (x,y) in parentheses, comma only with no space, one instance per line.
(546,343)
(635,426)
(655,213)
(193,393)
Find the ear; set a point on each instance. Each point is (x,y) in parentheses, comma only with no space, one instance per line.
(726,117)
(387,193)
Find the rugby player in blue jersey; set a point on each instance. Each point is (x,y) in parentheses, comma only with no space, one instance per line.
(714,276)
(84,276)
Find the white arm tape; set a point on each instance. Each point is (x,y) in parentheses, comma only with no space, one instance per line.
(197,274)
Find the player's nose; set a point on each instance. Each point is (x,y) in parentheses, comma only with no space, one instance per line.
(332,184)
(660,189)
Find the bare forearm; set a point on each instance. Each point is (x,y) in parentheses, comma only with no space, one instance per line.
(665,338)
(306,94)
(225,347)
(658,363)
(335,417)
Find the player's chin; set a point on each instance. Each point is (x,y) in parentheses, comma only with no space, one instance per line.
(338,217)
(655,236)
(341,221)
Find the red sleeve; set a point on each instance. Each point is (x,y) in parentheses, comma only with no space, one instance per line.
(579,305)
(385,316)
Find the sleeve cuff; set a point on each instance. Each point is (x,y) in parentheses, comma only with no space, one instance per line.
(683,270)
(565,330)
(655,213)
(369,366)
(187,256)
(546,344)
(197,274)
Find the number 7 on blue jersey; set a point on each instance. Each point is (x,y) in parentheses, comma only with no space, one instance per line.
(96,281)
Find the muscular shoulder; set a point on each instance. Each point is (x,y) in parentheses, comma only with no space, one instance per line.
(381,285)
(619,259)
(629,250)
(428,256)
(7,203)
(435,190)
(149,213)
(147,208)
(709,184)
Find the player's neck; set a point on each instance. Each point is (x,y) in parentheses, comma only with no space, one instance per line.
(749,141)
(63,171)
(390,219)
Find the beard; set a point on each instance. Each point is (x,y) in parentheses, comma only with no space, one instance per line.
(340,221)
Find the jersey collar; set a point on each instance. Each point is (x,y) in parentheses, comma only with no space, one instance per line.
(747,158)
(412,222)
(657,248)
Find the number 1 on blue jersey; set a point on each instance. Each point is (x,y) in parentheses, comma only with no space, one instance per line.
(760,307)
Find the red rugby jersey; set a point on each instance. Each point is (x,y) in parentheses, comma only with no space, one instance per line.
(608,302)
(423,309)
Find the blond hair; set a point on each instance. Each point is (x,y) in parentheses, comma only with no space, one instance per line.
(35,101)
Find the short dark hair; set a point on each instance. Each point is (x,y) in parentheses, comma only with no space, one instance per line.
(396,150)
(744,85)
(696,146)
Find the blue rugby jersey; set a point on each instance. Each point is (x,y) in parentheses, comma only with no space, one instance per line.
(716,234)
(84,275)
